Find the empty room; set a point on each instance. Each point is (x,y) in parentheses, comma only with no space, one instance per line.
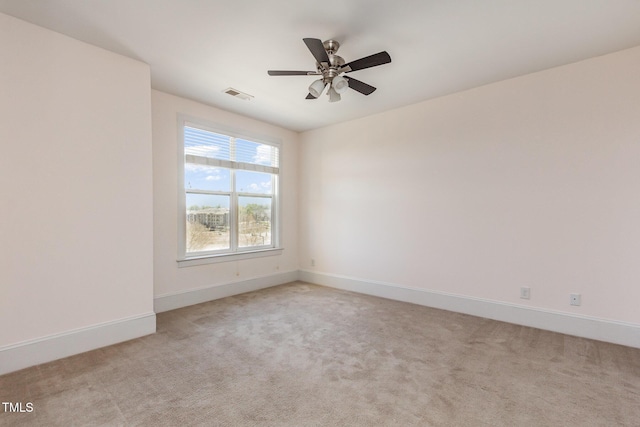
(339,213)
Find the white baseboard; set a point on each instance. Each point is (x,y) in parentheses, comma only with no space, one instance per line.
(183,299)
(34,352)
(627,334)
(29,353)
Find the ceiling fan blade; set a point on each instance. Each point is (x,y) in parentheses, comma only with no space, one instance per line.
(310,97)
(368,62)
(359,86)
(291,73)
(317,50)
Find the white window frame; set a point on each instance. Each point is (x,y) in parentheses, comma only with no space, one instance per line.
(235,252)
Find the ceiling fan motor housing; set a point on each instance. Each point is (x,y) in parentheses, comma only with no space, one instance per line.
(335,61)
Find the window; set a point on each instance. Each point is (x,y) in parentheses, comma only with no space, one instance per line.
(229,198)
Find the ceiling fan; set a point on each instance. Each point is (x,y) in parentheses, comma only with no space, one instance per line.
(330,66)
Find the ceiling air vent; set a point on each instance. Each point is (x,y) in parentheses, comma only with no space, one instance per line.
(235,92)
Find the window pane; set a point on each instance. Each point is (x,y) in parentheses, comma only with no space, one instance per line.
(256,153)
(207,222)
(203,177)
(230,187)
(203,143)
(254,221)
(253,182)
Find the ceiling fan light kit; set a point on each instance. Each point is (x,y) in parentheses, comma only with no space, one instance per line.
(340,84)
(330,67)
(316,88)
(334,96)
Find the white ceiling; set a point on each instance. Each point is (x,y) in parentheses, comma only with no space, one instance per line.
(198,48)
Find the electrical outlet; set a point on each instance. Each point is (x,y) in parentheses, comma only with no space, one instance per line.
(525,292)
(575,299)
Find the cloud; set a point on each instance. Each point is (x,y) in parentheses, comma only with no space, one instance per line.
(263,154)
(196,168)
(260,187)
(213,178)
(203,169)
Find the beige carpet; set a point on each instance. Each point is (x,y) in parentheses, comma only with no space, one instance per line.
(306,355)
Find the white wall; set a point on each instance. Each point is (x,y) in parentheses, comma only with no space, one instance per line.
(174,284)
(76,218)
(533,181)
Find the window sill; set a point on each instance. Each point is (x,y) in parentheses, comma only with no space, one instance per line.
(213,259)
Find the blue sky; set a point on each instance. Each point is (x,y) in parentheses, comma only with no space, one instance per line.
(202,177)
